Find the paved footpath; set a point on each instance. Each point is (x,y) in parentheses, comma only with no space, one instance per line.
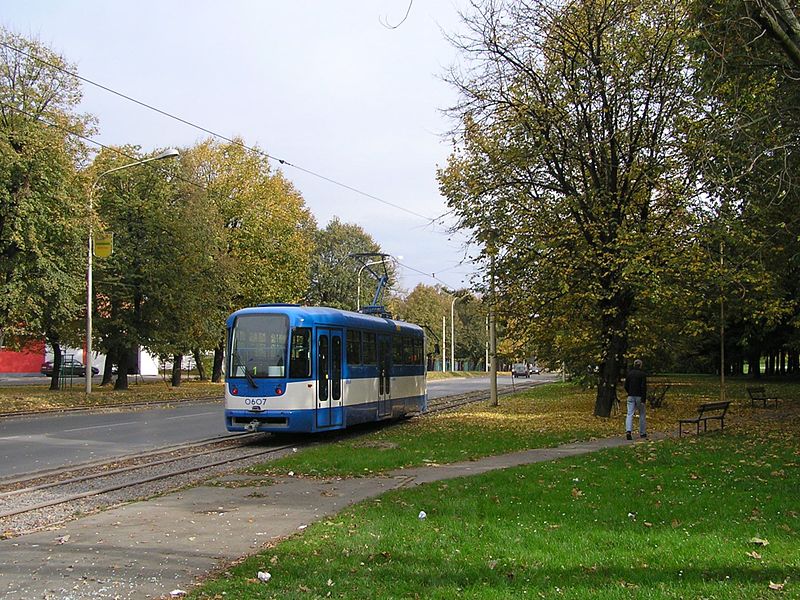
(147,549)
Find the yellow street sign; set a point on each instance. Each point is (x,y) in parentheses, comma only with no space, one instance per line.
(103,245)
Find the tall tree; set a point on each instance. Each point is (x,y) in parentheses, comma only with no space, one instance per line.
(335,275)
(264,236)
(748,64)
(570,141)
(42,206)
(134,204)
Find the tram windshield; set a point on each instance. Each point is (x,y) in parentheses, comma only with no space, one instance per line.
(258,346)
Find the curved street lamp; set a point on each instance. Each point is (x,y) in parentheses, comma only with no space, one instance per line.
(169,153)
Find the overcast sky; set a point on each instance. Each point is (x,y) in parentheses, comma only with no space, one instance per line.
(323,84)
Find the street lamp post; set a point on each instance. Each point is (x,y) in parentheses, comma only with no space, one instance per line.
(453,333)
(89,294)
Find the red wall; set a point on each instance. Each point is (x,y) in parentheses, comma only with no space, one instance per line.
(28,360)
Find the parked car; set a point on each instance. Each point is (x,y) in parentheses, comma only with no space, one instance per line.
(69,366)
(535,370)
(520,370)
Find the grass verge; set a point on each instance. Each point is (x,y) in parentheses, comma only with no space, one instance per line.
(37,398)
(710,517)
(714,516)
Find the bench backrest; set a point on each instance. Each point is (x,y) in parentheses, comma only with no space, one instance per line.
(714,406)
(756,393)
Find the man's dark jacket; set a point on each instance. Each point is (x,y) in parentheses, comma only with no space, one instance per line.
(636,383)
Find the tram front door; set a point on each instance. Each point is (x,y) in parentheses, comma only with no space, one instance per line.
(384,375)
(329,377)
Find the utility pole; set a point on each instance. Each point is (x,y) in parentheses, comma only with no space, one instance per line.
(444,344)
(721,326)
(492,336)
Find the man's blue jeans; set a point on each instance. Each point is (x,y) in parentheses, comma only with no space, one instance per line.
(635,403)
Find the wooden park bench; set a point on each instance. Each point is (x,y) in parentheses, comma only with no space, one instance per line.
(759,394)
(705,413)
(655,396)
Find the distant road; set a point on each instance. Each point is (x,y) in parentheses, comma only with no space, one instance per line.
(43,442)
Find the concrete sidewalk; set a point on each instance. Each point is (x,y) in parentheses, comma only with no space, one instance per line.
(147,549)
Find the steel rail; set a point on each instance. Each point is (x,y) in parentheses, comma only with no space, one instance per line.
(130,484)
(437,405)
(60,471)
(128,469)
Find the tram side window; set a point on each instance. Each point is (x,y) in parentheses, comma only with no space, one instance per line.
(300,353)
(353,347)
(397,351)
(408,351)
(419,352)
(369,355)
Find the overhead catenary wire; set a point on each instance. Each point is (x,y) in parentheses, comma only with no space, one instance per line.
(86,138)
(178,176)
(282,161)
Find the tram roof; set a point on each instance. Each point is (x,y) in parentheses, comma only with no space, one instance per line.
(322,315)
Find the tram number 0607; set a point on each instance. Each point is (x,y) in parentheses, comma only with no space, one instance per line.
(255,401)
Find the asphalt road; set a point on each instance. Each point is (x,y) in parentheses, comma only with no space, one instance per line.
(32,444)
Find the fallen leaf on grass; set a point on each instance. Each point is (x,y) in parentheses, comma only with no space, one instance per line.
(759,542)
(776,586)
(754,554)
(576,493)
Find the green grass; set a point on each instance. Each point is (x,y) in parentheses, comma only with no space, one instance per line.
(658,520)
(433,375)
(36,398)
(661,519)
(522,422)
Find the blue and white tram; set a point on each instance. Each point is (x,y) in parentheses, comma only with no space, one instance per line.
(309,369)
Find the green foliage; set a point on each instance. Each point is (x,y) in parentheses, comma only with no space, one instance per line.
(336,277)
(569,172)
(42,205)
(265,230)
(194,241)
(747,73)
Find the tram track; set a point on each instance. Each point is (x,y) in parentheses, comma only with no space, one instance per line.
(48,498)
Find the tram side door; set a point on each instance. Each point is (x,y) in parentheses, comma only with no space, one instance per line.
(329,377)
(384,375)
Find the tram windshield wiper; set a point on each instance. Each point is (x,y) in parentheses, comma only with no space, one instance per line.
(247,373)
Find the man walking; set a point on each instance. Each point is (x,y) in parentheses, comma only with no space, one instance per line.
(636,387)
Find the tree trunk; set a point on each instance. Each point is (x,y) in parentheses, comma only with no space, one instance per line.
(198,360)
(219,353)
(57,354)
(177,364)
(614,324)
(122,369)
(108,368)
(607,384)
